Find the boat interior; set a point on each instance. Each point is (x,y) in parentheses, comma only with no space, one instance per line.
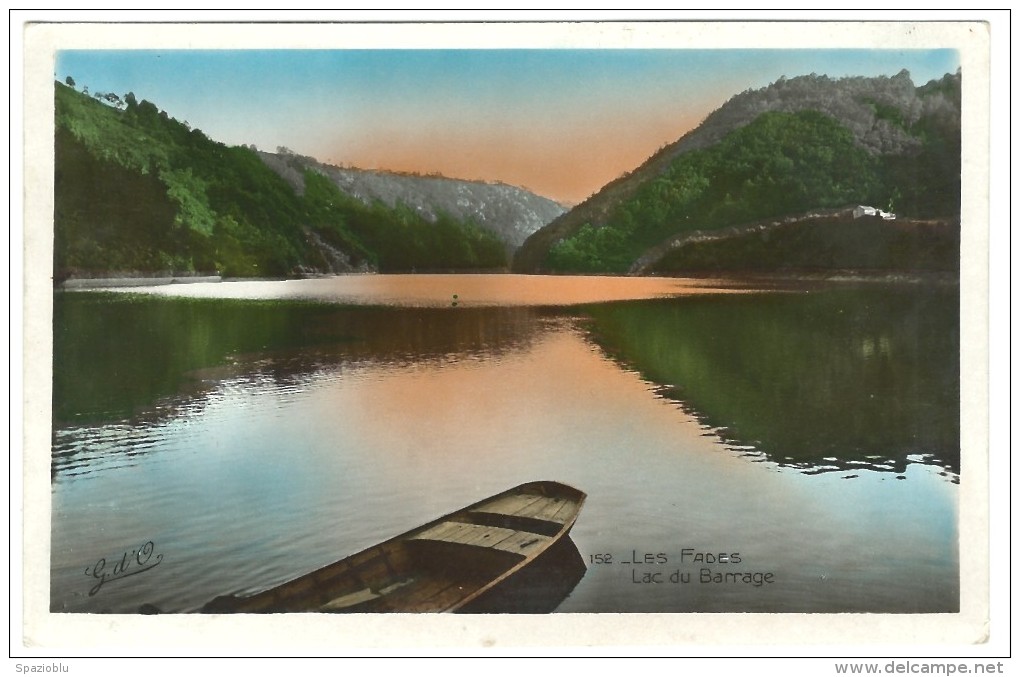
(435,568)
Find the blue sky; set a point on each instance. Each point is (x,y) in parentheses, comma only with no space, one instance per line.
(561,122)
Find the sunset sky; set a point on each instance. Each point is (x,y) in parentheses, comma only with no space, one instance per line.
(561,122)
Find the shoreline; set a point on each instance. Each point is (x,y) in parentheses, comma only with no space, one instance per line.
(840,275)
(114,281)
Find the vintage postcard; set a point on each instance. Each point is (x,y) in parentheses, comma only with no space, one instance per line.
(426,335)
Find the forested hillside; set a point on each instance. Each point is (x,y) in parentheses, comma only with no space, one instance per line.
(137,191)
(798,145)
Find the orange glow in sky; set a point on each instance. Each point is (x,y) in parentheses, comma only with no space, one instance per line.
(561,122)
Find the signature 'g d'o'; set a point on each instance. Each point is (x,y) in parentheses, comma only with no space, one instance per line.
(138,561)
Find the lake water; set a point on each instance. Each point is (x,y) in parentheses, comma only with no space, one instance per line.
(240,434)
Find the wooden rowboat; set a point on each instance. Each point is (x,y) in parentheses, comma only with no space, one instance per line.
(443,566)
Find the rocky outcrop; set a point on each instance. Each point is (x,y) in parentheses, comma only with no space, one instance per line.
(510,212)
(328,260)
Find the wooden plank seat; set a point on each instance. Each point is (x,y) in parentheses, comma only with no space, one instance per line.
(551,509)
(509,505)
(546,508)
(507,540)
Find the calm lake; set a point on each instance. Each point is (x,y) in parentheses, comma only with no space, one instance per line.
(225,437)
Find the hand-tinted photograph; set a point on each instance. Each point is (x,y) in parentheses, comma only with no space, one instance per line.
(506,331)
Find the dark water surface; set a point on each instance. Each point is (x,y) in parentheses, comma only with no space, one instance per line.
(810,439)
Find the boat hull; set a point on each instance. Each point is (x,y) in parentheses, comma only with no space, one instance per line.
(455,563)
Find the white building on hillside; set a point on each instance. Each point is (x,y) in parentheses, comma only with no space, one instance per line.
(863,210)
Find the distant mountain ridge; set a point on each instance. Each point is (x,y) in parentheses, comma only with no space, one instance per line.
(903,130)
(510,212)
(139,193)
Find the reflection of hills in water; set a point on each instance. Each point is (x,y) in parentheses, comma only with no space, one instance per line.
(855,379)
(839,380)
(124,360)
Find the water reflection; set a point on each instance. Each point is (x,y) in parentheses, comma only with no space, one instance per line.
(837,380)
(132,361)
(826,381)
(255,441)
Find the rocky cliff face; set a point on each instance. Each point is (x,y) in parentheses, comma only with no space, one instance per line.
(510,212)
